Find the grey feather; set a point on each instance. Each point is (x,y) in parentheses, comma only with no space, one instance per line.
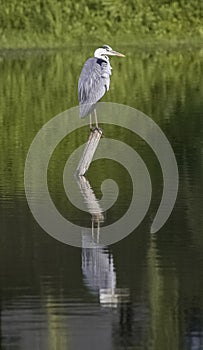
(94,81)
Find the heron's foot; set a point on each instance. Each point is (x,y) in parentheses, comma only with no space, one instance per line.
(99,129)
(96,128)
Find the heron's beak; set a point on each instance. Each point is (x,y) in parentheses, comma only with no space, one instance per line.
(115,53)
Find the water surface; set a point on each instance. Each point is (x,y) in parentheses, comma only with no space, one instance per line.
(53,296)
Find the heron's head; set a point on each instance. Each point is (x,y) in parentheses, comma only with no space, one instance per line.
(106,50)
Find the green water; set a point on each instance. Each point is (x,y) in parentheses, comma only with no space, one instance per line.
(48,299)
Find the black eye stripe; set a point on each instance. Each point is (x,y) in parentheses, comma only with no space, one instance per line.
(106,47)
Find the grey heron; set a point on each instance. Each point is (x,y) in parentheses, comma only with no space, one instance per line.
(94,81)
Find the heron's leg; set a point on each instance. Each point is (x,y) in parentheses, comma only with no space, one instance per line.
(92,228)
(98,231)
(90,121)
(96,121)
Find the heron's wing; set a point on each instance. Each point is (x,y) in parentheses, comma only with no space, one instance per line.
(94,81)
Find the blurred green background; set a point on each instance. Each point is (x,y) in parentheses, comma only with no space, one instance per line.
(51,23)
(35,86)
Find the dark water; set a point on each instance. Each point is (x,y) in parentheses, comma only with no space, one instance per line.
(144,292)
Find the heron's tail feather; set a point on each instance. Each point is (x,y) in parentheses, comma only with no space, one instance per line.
(86,109)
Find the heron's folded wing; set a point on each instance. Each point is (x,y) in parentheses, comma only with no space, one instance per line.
(93,83)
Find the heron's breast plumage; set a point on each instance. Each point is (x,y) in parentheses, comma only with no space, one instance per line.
(94,81)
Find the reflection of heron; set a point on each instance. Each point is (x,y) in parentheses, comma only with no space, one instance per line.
(94,81)
(97,261)
(100,275)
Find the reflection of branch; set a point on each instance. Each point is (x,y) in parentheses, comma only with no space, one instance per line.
(90,200)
